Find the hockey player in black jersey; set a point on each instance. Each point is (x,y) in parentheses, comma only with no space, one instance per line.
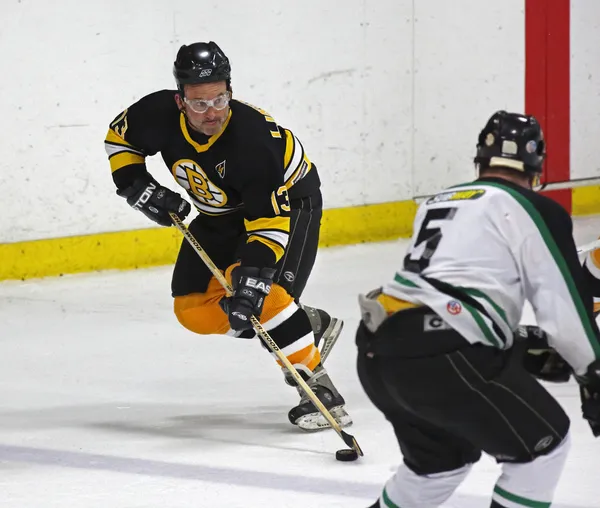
(259,202)
(436,344)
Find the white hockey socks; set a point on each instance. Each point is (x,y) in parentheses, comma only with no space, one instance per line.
(532,483)
(407,489)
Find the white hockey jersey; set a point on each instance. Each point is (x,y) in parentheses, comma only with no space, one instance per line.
(481,249)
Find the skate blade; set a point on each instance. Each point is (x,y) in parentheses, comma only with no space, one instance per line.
(316,421)
(330,337)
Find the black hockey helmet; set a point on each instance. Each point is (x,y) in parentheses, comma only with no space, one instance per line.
(201,62)
(513,141)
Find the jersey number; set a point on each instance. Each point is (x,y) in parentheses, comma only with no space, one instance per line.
(431,237)
(280,200)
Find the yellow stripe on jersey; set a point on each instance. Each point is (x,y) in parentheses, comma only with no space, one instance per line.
(113,137)
(307,160)
(277,249)
(596,307)
(274,204)
(120,152)
(296,163)
(271,231)
(125,158)
(289,148)
(202,147)
(301,171)
(277,223)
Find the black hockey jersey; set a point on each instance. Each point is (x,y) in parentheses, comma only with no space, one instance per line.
(250,170)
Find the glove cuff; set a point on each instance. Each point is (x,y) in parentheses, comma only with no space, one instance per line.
(267,273)
(138,184)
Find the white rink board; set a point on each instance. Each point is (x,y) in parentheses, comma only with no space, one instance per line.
(387,100)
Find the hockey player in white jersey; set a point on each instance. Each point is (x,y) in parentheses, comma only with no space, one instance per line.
(435,344)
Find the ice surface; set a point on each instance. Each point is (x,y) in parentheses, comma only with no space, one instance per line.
(108,402)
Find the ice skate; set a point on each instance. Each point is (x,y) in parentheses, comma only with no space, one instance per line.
(305,415)
(326,329)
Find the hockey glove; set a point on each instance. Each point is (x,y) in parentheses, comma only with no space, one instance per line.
(250,288)
(155,201)
(589,390)
(539,358)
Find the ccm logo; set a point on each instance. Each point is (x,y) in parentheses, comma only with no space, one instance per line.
(146,195)
(261,286)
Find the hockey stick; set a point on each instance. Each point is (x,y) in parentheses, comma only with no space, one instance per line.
(550,186)
(568,184)
(588,247)
(264,335)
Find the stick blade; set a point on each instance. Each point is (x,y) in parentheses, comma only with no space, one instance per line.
(351,441)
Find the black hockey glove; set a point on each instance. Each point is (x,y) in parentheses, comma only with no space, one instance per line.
(155,201)
(589,390)
(250,288)
(539,358)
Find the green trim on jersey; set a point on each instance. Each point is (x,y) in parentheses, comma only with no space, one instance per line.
(538,220)
(530,503)
(405,282)
(479,294)
(489,334)
(477,316)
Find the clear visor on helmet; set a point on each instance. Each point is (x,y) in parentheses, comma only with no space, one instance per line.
(201,105)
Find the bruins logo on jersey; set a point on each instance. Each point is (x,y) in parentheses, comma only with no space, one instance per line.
(206,195)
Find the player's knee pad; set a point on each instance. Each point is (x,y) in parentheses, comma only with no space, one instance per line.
(201,313)
(406,488)
(531,483)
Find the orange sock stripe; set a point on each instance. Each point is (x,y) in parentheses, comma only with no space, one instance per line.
(308,356)
(316,360)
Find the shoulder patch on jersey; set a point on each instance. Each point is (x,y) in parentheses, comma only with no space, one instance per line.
(220,168)
(120,125)
(458,195)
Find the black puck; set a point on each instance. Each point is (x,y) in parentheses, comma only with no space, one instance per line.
(346,455)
